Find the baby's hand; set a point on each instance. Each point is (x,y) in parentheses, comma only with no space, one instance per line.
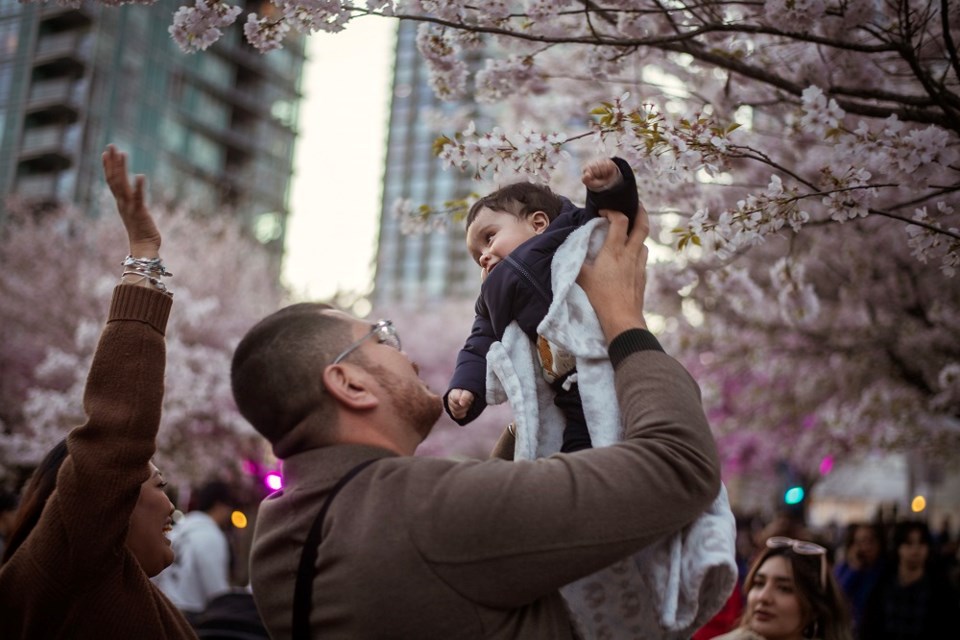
(459,402)
(602,174)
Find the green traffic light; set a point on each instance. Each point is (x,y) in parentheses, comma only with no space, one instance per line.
(794,495)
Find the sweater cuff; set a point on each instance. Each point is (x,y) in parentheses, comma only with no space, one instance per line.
(629,342)
(142,304)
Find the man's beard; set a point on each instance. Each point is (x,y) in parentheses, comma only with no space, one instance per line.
(414,403)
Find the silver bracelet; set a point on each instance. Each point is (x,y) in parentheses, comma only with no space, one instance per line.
(156,282)
(149,265)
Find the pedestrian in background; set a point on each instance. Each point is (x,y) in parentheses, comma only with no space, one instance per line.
(201,569)
(861,567)
(913,599)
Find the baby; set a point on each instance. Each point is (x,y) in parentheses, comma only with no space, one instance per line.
(518,228)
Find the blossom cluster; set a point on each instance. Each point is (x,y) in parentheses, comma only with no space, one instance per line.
(527,152)
(263,33)
(47,342)
(798,159)
(196,28)
(926,243)
(500,78)
(440,50)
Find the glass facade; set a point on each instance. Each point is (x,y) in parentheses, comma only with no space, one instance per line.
(419,268)
(215,128)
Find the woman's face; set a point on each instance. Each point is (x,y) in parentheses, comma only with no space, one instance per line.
(150,523)
(914,551)
(773,609)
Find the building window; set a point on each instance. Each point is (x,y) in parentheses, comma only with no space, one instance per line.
(206,154)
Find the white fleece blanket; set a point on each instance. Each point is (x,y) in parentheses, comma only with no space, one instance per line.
(669,589)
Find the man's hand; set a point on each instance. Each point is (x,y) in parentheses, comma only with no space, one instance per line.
(616,280)
(600,175)
(459,402)
(141,230)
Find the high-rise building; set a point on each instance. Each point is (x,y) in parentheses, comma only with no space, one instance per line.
(214,130)
(419,268)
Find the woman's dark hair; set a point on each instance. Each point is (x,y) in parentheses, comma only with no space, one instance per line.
(903,530)
(824,609)
(39,488)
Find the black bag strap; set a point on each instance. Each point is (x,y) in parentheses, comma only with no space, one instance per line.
(303,591)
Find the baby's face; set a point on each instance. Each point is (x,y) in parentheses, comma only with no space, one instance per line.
(494,235)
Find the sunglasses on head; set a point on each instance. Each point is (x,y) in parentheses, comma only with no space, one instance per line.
(804,548)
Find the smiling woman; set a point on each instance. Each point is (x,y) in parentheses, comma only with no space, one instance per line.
(92,528)
(792,596)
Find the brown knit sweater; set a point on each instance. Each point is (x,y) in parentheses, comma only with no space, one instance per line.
(422,548)
(74,577)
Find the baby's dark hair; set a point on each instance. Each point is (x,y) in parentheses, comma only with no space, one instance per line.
(520,199)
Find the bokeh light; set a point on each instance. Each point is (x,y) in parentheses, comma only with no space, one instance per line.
(826,465)
(794,495)
(239,519)
(273,480)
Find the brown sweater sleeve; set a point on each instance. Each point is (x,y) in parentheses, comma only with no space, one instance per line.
(503,534)
(84,527)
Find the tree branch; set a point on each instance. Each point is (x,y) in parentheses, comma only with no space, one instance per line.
(907,52)
(686,43)
(947,38)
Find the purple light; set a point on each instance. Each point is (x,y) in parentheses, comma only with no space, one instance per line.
(273,480)
(249,467)
(826,465)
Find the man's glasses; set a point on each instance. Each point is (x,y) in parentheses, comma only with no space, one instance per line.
(803,548)
(385,333)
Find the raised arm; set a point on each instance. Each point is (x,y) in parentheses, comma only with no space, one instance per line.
(547,522)
(99,483)
(604,192)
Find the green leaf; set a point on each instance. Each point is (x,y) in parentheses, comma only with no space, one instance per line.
(439,143)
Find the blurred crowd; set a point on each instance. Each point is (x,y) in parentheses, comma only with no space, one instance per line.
(899,578)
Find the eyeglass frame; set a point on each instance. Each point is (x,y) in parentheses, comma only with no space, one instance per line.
(385,332)
(803,548)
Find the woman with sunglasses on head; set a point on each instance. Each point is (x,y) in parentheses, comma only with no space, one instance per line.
(91,530)
(791,595)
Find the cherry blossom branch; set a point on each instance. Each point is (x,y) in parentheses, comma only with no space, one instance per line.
(948,39)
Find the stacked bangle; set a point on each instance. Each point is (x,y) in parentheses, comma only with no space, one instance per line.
(150,268)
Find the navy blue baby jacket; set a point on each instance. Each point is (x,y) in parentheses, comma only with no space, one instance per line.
(520,287)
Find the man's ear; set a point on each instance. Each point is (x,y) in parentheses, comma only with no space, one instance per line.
(349,385)
(540,221)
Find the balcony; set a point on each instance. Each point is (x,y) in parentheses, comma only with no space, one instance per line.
(66,53)
(61,97)
(66,17)
(48,148)
(42,187)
